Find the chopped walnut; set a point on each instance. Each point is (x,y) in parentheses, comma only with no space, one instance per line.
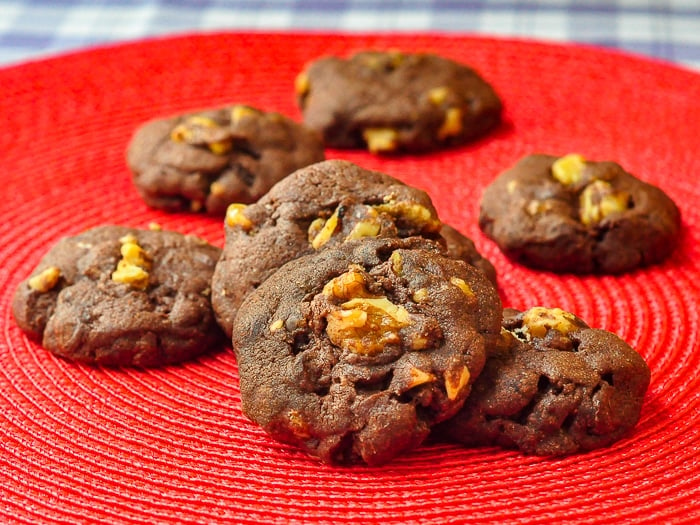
(276,325)
(301,84)
(198,130)
(364,228)
(324,230)
(236,218)
(452,125)
(347,285)
(381,139)
(598,200)
(415,214)
(240,111)
(438,95)
(365,323)
(569,169)
(46,280)
(537,321)
(133,267)
(419,377)
(455,381)
(462,285)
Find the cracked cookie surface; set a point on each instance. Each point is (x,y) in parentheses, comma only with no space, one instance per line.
(315,208)
(567,214)
(207,160)
(553,386)
(392,102)
(122,296)
(355,352)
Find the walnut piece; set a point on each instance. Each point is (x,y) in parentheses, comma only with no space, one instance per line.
(365,228)
(412,213)
(462,285)
(364,323)
(236,218)
(537,321)
(347,285)
(438,95)
(325,229)
(198,130)
(569,168)
(46,280)
(301,84)
(381,139)
(419,377)
(241,111)
(133,267)
(452,125)
(455,381)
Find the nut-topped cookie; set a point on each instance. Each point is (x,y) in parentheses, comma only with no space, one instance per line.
(553,386)
(392,102)
(207,160)
(569,214)
(122,296)
(314,208)
(355,352)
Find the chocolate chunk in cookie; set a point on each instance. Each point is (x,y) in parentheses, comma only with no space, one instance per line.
(122,297)
(317,207)
(391,102)
(355,352)
(572,215)
(207,160)
(553,386)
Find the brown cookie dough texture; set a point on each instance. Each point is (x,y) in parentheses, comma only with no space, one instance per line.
(553,386)
(355,352)
(568,214)
(315,208)
(122,297)
(390,102)
(207,160)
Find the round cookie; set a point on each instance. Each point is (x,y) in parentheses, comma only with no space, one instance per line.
(355,352)
(571,215)
(314,208)
(390,102)
(121,296)
(553,386)
(204,161)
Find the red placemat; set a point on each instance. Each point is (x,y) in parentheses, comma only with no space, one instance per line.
(80,444)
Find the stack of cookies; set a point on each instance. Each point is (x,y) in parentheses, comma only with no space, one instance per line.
(362,323)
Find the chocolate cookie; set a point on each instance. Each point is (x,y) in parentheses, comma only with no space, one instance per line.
(355,352)
(462,247)
(207,160)
(390,102)
(317,207)
(122,296)
(571,215)
(553,386)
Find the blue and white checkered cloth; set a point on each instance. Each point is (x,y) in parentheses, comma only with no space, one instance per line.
(664,29)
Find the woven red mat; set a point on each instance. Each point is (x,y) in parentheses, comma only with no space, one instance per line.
(80,444)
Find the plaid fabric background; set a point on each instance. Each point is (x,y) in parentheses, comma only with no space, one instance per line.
(666,29)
